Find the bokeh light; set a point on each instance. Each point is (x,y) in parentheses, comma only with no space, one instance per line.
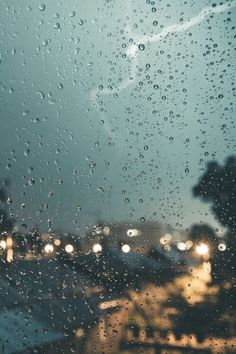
(125,248)
(202,249)
(69,248)
(97,248)
(48,248)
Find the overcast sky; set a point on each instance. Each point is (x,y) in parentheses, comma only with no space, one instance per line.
(111,109)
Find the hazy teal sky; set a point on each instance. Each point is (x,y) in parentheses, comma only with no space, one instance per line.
(104,133)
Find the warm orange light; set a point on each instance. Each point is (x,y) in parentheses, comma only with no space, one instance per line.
(3,244)
(97,248)
(181,246)
(48,248)
(165,239)
(202,249)
(57,242)
(69,248)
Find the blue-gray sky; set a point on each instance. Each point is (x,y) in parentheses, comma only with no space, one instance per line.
(89,131)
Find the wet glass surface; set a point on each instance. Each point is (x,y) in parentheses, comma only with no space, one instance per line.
(117,176)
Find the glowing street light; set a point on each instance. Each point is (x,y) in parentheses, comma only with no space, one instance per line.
(125,248)
(57,242)
(181,246)
(69,248)
(97,248)
(188,244)
(202,249)
(165,239)
(3,244)
(185,246)
(48,248)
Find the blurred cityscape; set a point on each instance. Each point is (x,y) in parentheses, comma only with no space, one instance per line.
(122,288)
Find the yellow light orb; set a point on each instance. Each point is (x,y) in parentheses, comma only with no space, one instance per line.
(3,244)
(69,248)
(188,244)
(167,248)
(182,246)
(125,248)
(48,248)
(165,239)
(97,248)
(202,249)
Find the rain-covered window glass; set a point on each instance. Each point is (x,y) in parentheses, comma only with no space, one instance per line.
(117,176)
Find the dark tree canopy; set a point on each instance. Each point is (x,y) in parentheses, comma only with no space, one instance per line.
(202,232)
(6,223)
(218,186)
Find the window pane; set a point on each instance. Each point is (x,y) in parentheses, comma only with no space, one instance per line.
(117,176)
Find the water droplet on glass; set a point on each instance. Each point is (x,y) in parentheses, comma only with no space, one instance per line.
(57,25)
(60,86)
(42,7)
(92,164)
(141,47)
(72,14)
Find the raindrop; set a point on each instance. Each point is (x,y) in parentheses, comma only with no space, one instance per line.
(42,7)
(92,164)
(41,93)
(45,42)
(26,152)
(9,200)
(57,25)
(141,47)
(72,14)
(52,101)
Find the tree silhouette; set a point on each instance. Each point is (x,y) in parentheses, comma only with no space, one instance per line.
(218,186)
(6,223)
(205,233)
